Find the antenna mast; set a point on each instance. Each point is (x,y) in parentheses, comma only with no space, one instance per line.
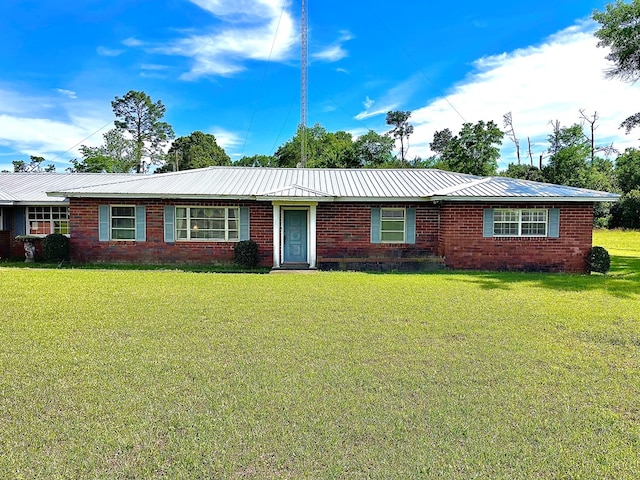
(303,83)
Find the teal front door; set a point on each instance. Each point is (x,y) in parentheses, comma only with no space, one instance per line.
(295,236)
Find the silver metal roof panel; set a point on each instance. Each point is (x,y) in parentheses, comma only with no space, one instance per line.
(293,183)
(33,187)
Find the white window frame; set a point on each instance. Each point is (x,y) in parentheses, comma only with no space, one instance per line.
(54,221)
(1,219)
(384,210)
(230,234)
(517,221)
(122,229)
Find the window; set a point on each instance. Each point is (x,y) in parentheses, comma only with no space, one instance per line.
(46,220)
(123,222)
(392,225)
(520,223)
(208,223)
(1,219)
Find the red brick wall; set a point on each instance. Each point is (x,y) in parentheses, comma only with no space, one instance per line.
(463,246)
(452,230)
(344,230)
(5,244)
(85,246)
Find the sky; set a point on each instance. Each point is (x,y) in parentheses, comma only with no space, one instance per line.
(232,68)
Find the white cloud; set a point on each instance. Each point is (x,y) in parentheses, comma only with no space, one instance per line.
(132,42)
(251,30)
(551,81)
(225,138)
(331,54)
(368,103)
(109,52)
(153,66)
(48,131)
(334,52)
(373,113)
(392,99)
(66,93)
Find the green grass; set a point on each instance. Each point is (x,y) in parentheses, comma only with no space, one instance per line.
(169,374)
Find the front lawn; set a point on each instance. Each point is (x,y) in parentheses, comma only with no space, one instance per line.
(167,374)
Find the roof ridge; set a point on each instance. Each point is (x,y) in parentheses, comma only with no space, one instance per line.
(294,185)
(455,188)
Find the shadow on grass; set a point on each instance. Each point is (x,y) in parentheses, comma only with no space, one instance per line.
(622,281)
(129,266)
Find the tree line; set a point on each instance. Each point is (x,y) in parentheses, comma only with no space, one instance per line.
(573,156)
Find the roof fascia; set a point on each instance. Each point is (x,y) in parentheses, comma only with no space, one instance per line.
(438,198)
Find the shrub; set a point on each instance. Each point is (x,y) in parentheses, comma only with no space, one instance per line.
(245,254)
(598,260)
(55,247)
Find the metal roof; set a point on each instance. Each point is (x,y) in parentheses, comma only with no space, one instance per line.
(252,182)
(323,184)
(491,188)
(301,184)
(32,188)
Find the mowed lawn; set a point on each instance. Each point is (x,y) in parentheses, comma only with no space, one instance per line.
(167,374)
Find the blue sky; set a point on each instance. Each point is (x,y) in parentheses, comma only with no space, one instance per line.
(232,68)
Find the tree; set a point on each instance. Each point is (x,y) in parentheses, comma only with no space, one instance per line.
(288,154)
(441,141)
(34,165)
(620,33)
(335,150)
(571,162)
(374,150)
(570,151)
(137,114)
(401,130)
(475,150)
(324,149)
(626,212)
(198,150)
(115,155)
(627,170)
(507,124)
(524,172)
(257,161)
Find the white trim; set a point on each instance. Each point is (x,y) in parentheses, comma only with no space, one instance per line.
(519,222)
(190,228)
(404,224)
(50,221)
(135,223)
(278,228)
(540,199)
(276,236)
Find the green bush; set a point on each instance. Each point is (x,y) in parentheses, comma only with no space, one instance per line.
(598,260)
(55,247)
(245,254)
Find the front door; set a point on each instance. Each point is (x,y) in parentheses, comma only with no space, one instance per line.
(295,236)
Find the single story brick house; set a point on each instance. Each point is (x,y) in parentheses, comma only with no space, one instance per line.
(329,218)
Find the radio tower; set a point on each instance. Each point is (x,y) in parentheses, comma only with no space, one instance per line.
(303,84)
